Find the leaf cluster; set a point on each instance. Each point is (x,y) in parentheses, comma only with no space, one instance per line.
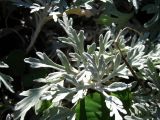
(97,69)
(114,77)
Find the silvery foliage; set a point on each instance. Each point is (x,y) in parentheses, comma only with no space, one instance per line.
(5,79)
(135,3)
(94,68)
(148,106)
(43,8)
(83,3)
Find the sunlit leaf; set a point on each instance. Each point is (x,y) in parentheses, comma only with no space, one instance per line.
(44,61)
(3,65)
(31,99)
(5,79)
(64,61)
(115,106)
(117,86)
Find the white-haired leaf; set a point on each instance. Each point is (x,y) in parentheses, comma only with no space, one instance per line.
(5,79)
(44,61)
(3,65)
(31,99)
(117,86)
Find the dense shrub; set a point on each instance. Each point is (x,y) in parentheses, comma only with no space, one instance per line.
(97,60)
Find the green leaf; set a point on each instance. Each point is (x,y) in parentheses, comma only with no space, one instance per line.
(125,96)
(112,15)
(104,19)
(92,107)
(42,105)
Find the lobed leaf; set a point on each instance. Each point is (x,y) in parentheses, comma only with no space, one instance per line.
(64,61)
(44,61)
(31,99)
(5,79)
(117,86)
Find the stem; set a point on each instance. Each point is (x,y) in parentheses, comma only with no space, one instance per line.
(35,35)
(117,38)
(123,57)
